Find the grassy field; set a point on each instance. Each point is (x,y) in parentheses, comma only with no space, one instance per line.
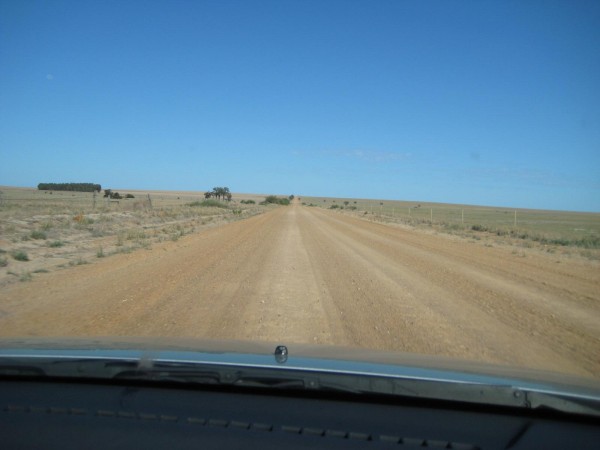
(22,201)
(559,228)
(42,231)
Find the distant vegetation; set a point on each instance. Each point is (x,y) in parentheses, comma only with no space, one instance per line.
(273,199)
(352,208)
(548,229)
(108,193)
(78,187)
(584,242)
(248,202)
(219,193)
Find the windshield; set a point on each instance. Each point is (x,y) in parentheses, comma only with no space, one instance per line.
(414,177)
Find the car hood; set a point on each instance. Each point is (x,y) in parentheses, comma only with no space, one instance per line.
(302,357)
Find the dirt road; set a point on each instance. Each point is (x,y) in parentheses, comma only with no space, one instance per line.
(306,275)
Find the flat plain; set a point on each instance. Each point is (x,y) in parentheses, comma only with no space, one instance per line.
(302,274)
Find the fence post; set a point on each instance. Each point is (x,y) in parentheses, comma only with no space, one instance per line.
(462,216)
(149,201)
(515,218)
(431,216)
(94,201)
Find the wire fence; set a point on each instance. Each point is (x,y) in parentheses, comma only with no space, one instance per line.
(554,224)
(89,202)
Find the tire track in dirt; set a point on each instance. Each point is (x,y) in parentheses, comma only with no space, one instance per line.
(512,320)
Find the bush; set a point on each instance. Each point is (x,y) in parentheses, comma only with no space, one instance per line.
(3,261)
(132,196)
(273,199)
(38,235)
(25,276)
(110,194)
(248,202)
(55,244)
(334,206)
(20,255)
(82,220)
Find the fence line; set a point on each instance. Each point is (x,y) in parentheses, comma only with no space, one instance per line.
(575,225)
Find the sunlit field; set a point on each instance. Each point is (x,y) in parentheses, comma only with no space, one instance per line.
(559,228)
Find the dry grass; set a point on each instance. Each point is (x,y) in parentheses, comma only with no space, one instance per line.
(62,229)
(562,232)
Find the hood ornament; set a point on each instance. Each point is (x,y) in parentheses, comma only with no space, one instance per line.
(281,354)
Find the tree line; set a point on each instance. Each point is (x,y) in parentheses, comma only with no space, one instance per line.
(78,187)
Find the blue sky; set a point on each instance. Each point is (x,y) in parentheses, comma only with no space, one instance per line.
(479,102)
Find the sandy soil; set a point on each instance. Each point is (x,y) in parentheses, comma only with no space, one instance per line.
(307,275)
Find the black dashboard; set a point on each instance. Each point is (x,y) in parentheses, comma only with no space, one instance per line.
(66,414)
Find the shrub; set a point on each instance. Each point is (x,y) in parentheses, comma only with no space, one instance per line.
(273,199)
(38,235)
(55,244)
(135,235)
(82,220)
(20,255)
(25,276)
(132,196)
(248,202)
(3,261)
